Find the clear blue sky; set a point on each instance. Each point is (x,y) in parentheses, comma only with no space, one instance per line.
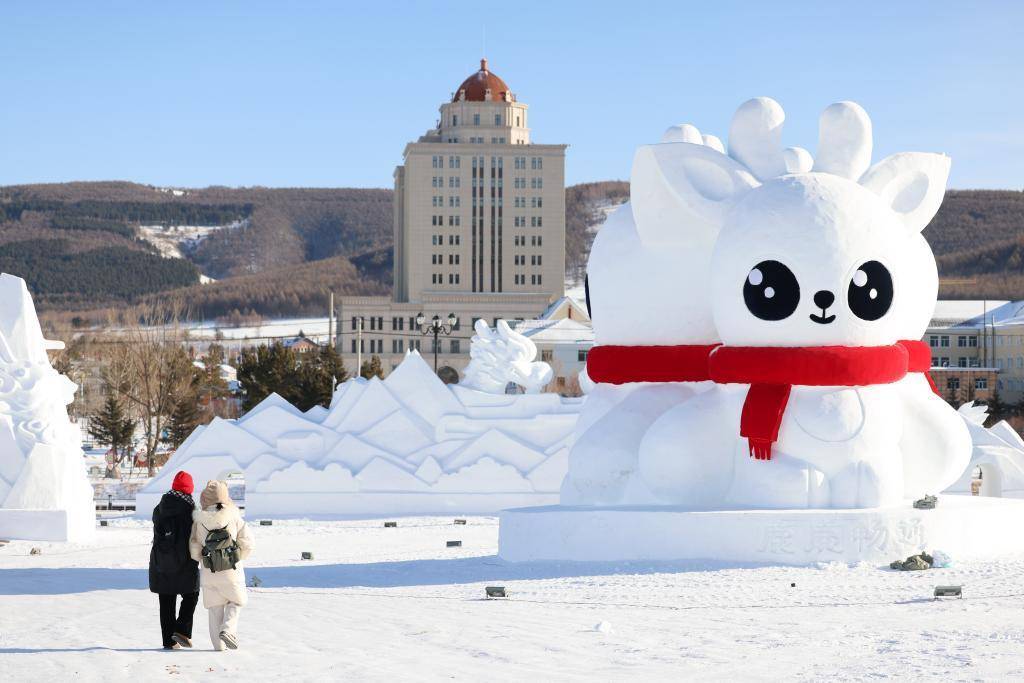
(327,94)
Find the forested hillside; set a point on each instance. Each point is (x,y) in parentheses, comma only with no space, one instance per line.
(277,252)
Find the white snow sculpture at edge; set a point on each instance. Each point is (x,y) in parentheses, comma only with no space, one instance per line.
(44,492)
(500,356)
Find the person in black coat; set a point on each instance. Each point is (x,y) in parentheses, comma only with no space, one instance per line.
(172,571)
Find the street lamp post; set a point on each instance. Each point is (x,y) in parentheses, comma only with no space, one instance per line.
(435,327)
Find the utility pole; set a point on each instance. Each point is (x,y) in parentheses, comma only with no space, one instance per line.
(359,346)
(330,322)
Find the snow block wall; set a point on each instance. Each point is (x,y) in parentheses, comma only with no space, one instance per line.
(44,492)
(408,444)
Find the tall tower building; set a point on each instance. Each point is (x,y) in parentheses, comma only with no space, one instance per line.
(479,227)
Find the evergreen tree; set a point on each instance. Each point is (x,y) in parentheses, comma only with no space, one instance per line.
(305,380)
(114,427)
(372,368)
(997,410)
(319,373)
(184,419)
(266,370)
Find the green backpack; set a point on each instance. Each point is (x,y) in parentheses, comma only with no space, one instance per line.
(220,552)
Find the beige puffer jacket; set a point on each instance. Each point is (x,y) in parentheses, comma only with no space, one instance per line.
(220,588)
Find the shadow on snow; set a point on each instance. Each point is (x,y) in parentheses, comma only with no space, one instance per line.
(407,573)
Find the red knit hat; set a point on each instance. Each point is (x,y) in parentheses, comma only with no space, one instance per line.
(183,483)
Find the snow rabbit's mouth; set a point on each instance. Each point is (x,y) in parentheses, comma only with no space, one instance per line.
(823,299)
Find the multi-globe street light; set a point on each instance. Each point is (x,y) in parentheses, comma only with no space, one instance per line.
(436,327)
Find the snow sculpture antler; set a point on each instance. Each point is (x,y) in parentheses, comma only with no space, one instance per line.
(500,356)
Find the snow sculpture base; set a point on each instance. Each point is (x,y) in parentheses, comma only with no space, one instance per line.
(47,525)
(962,526)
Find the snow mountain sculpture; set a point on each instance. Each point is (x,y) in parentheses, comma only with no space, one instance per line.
(44,492)
(407,444)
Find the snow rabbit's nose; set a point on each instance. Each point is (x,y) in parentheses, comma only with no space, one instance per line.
(824,299)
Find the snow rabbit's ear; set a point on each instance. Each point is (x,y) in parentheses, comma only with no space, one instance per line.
(680,191)
(911,183)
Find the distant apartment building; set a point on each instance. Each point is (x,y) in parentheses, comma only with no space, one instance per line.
(479,230)
(978,346)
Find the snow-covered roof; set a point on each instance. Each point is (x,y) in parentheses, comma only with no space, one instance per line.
(565,307)
(560,331)
(974,312)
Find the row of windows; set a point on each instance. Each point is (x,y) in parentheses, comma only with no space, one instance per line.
(480,141)
(437,161)
(438,259)
(398,345)
(1009,340)
(520,279)
(536,163)
(452,221)
(454,181)
(438,240)
(979,383)
(535,240)
(942,341)
(476,118)
(376,323)
(961,362)
(520,260)
(535,202)
(454,201)
(1008,363)
(438,278)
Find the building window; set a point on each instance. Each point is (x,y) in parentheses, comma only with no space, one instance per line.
(981,382)
(953,383)
(933,340)
(944,341)
(961,362)
(476,119)
(547,355)
(455,120)
(943,362)
(454,346)
(972,342)
(961,341)
(353,346)
(581,355)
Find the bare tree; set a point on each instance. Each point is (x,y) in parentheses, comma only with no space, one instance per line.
(148,368)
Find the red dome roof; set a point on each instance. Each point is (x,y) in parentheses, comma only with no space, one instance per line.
(477,85)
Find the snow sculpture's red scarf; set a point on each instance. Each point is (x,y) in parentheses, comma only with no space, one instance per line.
(771,373)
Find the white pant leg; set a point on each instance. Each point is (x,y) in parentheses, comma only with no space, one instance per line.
(216,615)
(230,623)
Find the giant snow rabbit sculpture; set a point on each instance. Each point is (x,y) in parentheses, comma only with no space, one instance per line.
(818,283)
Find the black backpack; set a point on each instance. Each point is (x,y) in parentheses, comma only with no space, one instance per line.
(169,555)
(220,552)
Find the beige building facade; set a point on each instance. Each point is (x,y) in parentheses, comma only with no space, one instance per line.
(978,346)
(479,230)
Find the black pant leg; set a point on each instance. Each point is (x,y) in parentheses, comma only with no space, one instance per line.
(187,609)
(167,601)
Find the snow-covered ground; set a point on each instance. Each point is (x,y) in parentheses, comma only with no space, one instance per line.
(387,604)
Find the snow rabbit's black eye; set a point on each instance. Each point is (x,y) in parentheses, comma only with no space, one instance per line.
(771,291)
(870,293)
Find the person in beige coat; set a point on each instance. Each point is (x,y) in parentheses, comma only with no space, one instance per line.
(224,592)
